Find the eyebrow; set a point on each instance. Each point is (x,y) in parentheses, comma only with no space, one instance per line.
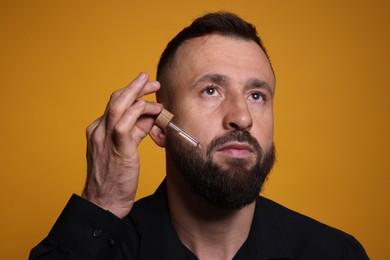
(214,78)
(220,78)
(256,83)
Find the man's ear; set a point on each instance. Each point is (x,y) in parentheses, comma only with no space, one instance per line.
(158,136)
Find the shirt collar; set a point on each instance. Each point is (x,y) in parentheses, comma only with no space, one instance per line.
(265,237)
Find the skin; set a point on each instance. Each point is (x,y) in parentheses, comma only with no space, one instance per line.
(229,105)
(221,84)
(112,141)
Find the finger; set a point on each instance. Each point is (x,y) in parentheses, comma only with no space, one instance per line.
(149,88)
(146,121)
(123,127)
(137,122)
(133,92)
(123,99)
(129,94)
(146,87)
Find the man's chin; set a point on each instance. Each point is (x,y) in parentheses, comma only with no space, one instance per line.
(235,164)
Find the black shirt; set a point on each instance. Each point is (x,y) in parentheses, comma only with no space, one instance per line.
(85,231)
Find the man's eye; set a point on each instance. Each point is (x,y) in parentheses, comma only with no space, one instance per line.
(210,91)
(256,96)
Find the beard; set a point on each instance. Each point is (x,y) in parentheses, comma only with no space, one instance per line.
(231,186)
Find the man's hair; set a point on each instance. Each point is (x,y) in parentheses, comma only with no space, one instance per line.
(220,23)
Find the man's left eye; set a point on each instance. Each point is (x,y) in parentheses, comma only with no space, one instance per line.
(256,96)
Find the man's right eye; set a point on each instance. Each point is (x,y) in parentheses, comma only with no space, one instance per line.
(210,91)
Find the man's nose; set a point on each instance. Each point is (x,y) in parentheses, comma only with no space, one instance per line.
(237,113)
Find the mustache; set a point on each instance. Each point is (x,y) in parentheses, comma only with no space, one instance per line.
(235,136)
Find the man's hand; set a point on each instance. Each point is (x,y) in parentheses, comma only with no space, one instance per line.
(112,142)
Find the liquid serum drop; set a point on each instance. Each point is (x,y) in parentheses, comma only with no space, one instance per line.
(164,120)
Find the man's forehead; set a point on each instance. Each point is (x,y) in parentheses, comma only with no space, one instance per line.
(215,44)
(216,51)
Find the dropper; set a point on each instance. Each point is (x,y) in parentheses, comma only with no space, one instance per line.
(164,120)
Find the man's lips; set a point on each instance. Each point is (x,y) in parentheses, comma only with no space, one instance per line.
(236,149)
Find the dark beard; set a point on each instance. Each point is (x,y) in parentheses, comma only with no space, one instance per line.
(232,186)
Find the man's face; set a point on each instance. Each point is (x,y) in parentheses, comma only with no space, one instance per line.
(222,94)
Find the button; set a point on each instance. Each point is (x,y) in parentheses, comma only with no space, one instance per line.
(97,233)
(111,242)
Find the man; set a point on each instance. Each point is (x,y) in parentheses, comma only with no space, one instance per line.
(217,79)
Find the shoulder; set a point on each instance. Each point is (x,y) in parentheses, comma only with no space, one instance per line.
(151,209)
(308,237)
(140,211)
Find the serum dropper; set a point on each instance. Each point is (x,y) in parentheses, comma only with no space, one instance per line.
(164,120)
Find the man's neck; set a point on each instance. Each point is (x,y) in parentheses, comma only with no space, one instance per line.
(209,232)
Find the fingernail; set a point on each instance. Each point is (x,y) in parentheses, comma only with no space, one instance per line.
(142,75)
(155,83)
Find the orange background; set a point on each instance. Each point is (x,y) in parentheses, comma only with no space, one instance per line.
(60,60)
